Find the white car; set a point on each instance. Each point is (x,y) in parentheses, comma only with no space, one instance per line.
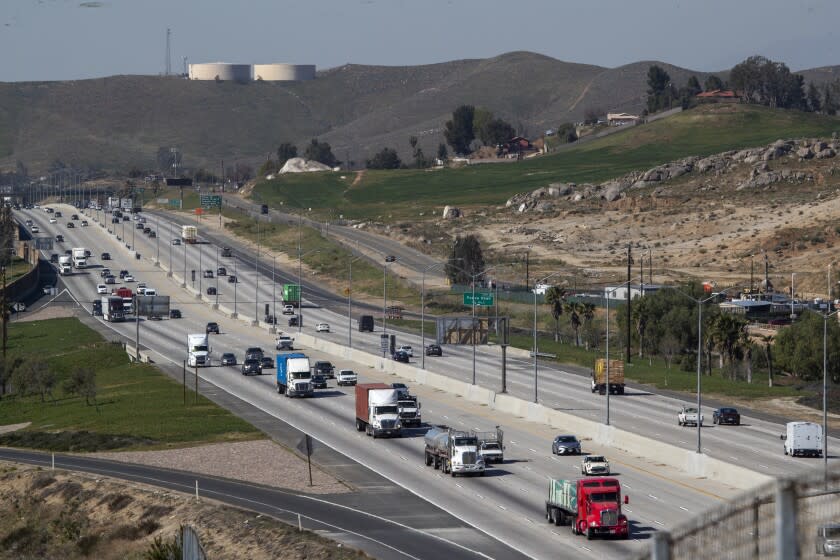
(288,310)
(688,416)
(36,229)
(128,278)
(595,465)
(53,220)
(176,241)
(101,289)
(141,288)
(407,349)
(322,327)
(346,377)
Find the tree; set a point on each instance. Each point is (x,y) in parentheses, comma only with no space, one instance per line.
(713,83)
(727,332)
(267,168)
(82,382)
(587,311)
(466,260)
(497,132)
(386,159)
(814,104)
(692,87)
(573,310)
(659,89)
(320,152)
(639,314)
(459,131)
(567,133)
(799,348)
(285,152)
(555,297)
(669,346)
(34,376)
(769,83)
(829,104)
(591,115)
(481,117)
(442,152)
(412,141)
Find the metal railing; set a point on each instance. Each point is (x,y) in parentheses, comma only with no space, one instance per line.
(781,519)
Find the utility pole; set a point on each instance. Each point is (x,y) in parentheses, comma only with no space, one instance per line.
(629,286)
(5,305)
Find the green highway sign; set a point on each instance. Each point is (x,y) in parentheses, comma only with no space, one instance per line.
(211,201)
(481,299)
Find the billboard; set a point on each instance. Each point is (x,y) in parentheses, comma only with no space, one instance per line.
(182,182)
(152,306)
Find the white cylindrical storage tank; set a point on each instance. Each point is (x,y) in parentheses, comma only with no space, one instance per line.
(279,72)
(221,71)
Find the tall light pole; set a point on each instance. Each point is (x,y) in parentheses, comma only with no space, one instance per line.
(350,300)
(217,276)
(423,310)
(235,311)
(825,392)
(257,274)
(300,286)
(792,314)
(273,294)
(472,337)
(536,347)
(388,260)
(607,364)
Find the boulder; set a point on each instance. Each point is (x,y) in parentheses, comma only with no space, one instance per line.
(804,153)
(450,212)
(826,153)
(611,193)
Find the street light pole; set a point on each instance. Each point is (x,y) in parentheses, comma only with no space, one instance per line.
(536,349)
(423,311)
(388,260)
(257,274)
(273,293)
(349,301)
(217,276)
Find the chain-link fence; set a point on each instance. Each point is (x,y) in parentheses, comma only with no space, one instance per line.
(787,519)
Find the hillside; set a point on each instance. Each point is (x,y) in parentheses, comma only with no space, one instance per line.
(698,132)
(120,121)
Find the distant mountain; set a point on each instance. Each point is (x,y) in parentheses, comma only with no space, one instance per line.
(121,121)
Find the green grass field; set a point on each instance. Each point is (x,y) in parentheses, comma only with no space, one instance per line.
(138,406)
(400,194)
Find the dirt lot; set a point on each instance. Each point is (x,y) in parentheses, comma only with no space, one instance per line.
(58,514)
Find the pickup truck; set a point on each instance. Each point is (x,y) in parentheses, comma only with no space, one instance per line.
(284,342)
(688,416)
(346,377)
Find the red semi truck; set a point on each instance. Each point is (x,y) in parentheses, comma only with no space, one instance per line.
(591,506)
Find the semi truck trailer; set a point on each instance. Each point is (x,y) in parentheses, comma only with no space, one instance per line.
(290,294)
(189,234)
(591,506)
(377,410)
(294,375)
(599,377)
(112,309)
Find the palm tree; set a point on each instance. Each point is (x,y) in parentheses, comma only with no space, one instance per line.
(588,312)
(555,296)
(572,309)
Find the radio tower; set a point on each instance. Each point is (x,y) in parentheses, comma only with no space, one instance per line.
(168,53)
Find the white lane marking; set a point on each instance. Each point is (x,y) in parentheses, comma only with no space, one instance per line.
(555,532)
(458,484)
(500,506)
(658,522)
(529,521)
(532,450)
(763,466)
(628,510)
(480,496)
(685,509)
(627,485)
(445,416)
(586,548)
(684,442)
(733,458)
(513,442)
(403,458)
(652,496)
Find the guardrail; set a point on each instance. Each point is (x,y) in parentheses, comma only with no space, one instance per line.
(783,519)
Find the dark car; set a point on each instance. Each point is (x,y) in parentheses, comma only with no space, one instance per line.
(105,257)
(97,307)
(434,350)
(123,274)
(211,291)
(74,217)
(174,313)
(251,367)
(228,359)
(221,271)
(294,321)
(400,356)
(57,214)
(264,209)
(54,258)
(254,353)
(115,220)
(105,272)
(212,327)
(70,225)
(366,323)
(125,218)
(59,238)
(565,445)
(402,388)
(152,235)
(226,252)
(146,230)
(138,225)
(232,279)
(319,381)
(726,416)
(325,368)
(267,362)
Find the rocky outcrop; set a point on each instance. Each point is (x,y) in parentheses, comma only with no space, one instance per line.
(545,199)
(450,212)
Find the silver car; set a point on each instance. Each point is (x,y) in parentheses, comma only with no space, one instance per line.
(565,445)
(828,540)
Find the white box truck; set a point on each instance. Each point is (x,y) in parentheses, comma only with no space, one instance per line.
(803,438)
(79,257)
(189,234)
(65,265)
(198,351)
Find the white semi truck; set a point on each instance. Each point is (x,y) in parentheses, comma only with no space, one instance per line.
(79,257)
(65,265)
(377,411)
(198,351)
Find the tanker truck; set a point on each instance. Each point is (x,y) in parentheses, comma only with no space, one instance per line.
(454,452)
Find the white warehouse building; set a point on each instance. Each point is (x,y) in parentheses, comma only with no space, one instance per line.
(280,72)
(221,71)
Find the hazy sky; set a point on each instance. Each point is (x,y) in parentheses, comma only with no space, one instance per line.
(65,39)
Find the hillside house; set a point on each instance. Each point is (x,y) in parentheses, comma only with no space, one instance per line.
(621,119)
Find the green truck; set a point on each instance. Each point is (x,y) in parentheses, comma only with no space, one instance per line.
(290,294)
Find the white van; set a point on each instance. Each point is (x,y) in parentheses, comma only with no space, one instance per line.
(803,438)
(150,292)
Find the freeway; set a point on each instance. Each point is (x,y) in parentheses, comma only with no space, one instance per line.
(506,505)
(754,445)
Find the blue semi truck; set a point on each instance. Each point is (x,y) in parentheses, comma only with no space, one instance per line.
(294,375)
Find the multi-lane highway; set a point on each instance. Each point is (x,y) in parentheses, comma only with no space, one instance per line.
(508,503)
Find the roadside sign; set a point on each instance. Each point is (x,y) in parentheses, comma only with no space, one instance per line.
(44,243)
(163,201)
(384,342)
(482,299)
(199,211)
(211,200)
